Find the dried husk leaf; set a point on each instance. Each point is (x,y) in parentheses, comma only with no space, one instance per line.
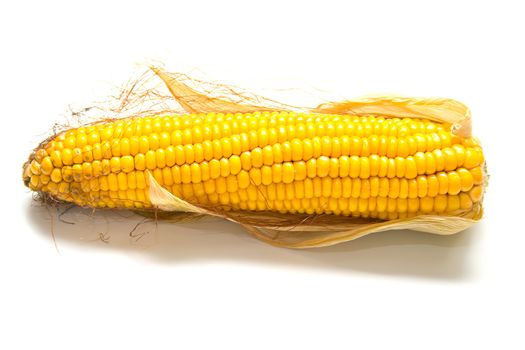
(308,231)
(195,102)
(443,110)
(164,200)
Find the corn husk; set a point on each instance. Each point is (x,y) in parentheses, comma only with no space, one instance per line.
(307,231)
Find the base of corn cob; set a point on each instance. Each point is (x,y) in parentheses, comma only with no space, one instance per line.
(367,166)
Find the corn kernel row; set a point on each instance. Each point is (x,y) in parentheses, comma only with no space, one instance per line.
(247,200)
(254,199)
(196,128)
(344,166)
(423,185)
(294,149)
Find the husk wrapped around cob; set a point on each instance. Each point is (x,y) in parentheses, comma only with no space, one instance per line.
(292,178)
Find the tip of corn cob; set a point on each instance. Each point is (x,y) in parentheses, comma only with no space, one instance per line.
(26,175)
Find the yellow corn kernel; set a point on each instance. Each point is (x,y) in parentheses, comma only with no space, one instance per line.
(127,164)
(466,179)
(443,182)
(151,161)
(422,186)
(450,158)
(454,183)
(440,203)
(354,166)
(476,193)
(453,203)
(160,158)
(323,166)
(477,175)
(56,158)
(67,156)
(465,201)
(56,175)
(114,164)
(225,167)
(473,157)
(433,186)
(421,162)
(87,171)
(46,166)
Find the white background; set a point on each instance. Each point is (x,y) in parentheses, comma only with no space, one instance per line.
(209,284)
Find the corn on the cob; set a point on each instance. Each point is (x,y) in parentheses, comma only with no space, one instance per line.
(367,166)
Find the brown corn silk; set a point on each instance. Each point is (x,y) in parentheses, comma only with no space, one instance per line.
(307,231)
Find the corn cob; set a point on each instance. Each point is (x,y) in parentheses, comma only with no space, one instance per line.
(363,166)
